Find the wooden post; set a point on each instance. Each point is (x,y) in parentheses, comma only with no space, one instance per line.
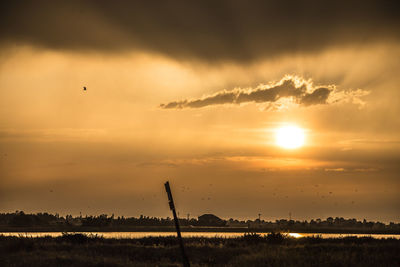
(185,259)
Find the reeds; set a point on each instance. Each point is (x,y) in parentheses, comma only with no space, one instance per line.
(250,249)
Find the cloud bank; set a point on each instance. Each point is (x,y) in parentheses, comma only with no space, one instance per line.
(206,30)
(298,90)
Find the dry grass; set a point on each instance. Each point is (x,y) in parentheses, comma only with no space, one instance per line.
(249,250)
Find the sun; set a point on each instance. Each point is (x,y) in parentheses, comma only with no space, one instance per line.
(290,137)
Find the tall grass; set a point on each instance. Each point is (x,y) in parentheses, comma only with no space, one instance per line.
(249,250)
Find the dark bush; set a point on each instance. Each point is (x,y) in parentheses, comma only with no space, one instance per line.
(74,238)
(275,238)
(253,238)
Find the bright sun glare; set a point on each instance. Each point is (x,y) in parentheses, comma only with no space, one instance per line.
(290,137)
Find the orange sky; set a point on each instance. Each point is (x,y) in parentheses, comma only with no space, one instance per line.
(109,149)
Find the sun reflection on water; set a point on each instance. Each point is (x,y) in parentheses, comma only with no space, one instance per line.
(295,235)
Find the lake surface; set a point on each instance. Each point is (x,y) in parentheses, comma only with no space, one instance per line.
(190,234)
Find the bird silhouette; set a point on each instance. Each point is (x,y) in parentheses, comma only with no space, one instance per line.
(84,88)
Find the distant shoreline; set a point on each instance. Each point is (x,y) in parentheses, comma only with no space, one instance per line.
(78,229)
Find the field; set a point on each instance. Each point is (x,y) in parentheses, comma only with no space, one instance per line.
(249,250)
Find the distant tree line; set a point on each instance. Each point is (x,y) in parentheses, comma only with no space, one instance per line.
(20,219)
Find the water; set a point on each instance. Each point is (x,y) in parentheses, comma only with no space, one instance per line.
(189,234)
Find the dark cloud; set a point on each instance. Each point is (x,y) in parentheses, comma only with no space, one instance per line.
(206,30)
(319,96)
(299,90)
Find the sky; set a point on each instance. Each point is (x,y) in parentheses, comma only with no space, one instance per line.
(194,92)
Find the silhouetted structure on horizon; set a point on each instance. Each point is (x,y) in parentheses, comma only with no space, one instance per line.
(210,220)
(20,220)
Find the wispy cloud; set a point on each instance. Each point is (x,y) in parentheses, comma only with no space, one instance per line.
(297,89)
(334,169)
(50,134)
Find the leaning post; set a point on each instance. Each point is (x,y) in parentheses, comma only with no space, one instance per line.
(178,230)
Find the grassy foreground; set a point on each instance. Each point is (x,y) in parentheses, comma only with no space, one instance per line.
(249,250)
